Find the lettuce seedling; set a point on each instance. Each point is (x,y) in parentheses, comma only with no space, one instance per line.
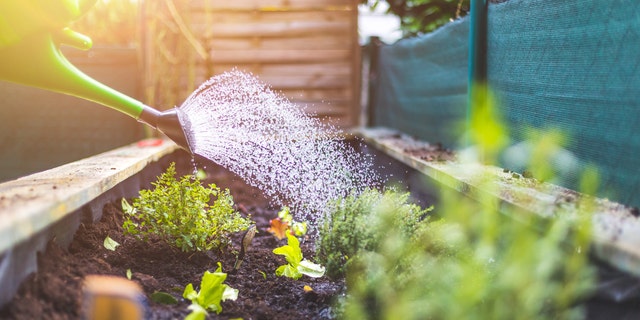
(296,266)
(212,292)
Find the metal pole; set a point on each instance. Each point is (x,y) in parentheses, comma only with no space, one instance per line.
(477,57)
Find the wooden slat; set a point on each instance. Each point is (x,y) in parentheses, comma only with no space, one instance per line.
(251,16)
(325,41)
(303,82)
(281,29)
(278,56)
(272,5)
(33,203)
(316,69)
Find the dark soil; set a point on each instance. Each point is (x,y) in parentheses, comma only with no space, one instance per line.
(55,292)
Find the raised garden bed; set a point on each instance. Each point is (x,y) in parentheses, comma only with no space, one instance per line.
(56,290)
(61,200)
(57,206)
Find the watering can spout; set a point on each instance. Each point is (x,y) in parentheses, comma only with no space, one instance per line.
(173,123)
(30,33)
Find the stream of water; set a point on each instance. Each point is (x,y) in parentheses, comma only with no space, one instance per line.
(238,122)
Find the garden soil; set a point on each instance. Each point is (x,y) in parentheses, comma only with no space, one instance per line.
(56,290)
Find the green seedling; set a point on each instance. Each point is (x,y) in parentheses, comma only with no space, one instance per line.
(185,213)
(296,266)
(212,292)
(163,298)
(110,244)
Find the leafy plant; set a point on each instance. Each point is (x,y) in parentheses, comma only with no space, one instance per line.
(212,292)
(184,212)
(296,266)
(350,225)
(423,16)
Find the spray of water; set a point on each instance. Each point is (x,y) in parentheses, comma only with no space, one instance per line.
(240,123)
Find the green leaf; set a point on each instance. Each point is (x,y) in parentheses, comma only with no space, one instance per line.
(110,244)
(129,274)
(229,293)
(212,292)
(291,251)
(288,271)
(163,297)
(189,293)
(197,312)
(311,269)
(296,266)
(127,208)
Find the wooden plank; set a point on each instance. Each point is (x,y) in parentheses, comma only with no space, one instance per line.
(305,81)
(272,5)
(616,230)
(301,82)
(213,17)
(279,29)
(32,203)
(340,94)
(279,56)
(330,68)
(356,75)
(325,41)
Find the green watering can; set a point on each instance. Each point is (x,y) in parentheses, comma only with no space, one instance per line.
(31,32)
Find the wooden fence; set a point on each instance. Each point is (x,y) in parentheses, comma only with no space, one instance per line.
(306,49)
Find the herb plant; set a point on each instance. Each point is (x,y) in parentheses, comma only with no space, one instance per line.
(350,227)
(184,212)
(212,292)
(296,266)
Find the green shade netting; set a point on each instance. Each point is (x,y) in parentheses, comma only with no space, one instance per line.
(421,84)
(570,65)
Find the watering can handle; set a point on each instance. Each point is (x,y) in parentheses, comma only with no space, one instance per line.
(30,34)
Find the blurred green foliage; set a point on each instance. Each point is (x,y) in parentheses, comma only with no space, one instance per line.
(473,258)
(111,22)
(423,16)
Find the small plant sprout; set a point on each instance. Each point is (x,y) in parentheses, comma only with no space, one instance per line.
(284,224)
(110,244)
(296,266)
(212,292)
